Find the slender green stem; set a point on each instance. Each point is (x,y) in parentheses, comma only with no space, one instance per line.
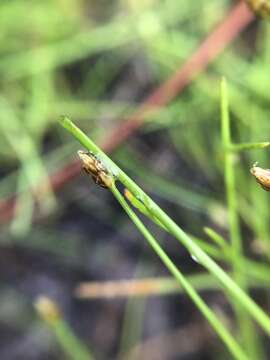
(246,327)
(215,237)
(247,146)
(227,338)
(71,345)
(142,208)
(233,289)
(254,271)
(229,176)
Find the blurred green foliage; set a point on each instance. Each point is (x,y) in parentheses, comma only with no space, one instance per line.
(95,61)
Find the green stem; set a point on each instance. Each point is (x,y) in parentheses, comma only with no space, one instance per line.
(233,289)
(229,176)
(70,344)
(247,146)
(231,344)
(215,237)
(50,313)
(246,327)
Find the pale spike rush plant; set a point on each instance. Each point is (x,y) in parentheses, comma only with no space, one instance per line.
(142,79)
(107,174)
